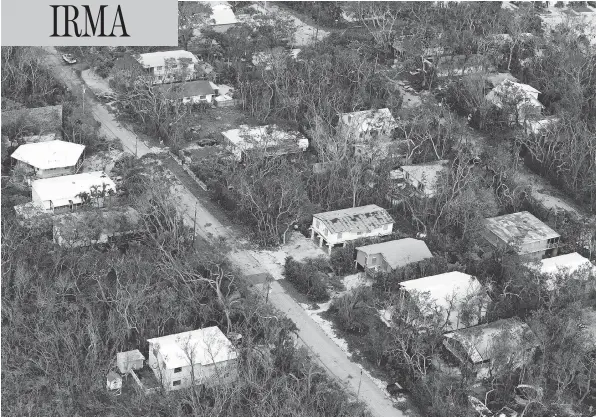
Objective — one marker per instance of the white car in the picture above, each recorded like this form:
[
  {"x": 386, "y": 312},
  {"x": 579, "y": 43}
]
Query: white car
[{"x": 69, "y": 59}]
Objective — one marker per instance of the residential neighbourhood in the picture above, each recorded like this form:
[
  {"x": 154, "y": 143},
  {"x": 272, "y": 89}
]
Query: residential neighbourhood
[{"x": 306, "y": 208}]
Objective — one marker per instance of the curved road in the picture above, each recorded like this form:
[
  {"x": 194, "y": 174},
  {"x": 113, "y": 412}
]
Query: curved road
[{"x": 330, "y": 355}]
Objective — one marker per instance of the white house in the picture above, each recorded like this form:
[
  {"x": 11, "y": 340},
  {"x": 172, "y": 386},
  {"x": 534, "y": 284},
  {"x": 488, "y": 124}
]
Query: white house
[
  {"x": 222, "y": 16},
  {"x": 340, "y": 226},
  {"x": 422, "y": 177},
  {"x": 529, "y": 237},
  {"x": 509, "y": 341},
  {"x": 521, "y": 100},
  {"x": 203, "y": 356},
  {"x": 569, "y": 266},
  {"x": 50, "y": 159},
  {"x": 169, "y": 66},
  {"x": 458, "y": 299},
  {"x": 269, "y": 139},
  {"x": 391, "y": 255},
  {"x": 367, "y": 129},
  {"x": 189, "y": 92},
  {"x": 70, "y": 190},
  {"x": 85, "y": 228}
]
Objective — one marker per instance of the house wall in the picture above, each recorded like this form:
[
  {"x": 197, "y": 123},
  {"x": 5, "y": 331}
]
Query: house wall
[
  {"x": 56, "y": 172},
  {"x": 533, "y": 250},
  {"x": 197, "y": 99},
  {"x": 222, "y": 28},
  {"x": 338, "y": 238},
  {"x": 367, "y": 261},
  {"x": 161, "y": 75}
]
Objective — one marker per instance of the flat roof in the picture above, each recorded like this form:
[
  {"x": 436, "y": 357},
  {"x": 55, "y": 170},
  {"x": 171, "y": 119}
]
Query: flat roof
[
  {"x": 49, "y": 155},
  {"x": 363, "y": 218},
  {"x": 427, "y": 174},
  {"x": 478, "y": 340},
  {"x": 400, "y": 252},
  {"x": 69, "y": 186},
  {"x": 157, "y": 59},
  {"x": 222, "y": 13},
  {"x": 196, "y": 347},
  {"x": 521, "y": 227}
]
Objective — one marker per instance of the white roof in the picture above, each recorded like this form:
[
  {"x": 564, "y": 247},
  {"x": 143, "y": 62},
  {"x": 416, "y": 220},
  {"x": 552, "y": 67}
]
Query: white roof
[
  {"x": 449, "y": 292},
  {"x": 427, "y": 174},
  {"x": 565, "y": 265},
  {"x": 508, "y": 88},
  {"x": 221, "y": 13},
  {"x": 197, "y": 347},
  {"x": 157, "y": 59},
  {"x": 61, "y": 190},
  {"x": 49, "y": 155}
]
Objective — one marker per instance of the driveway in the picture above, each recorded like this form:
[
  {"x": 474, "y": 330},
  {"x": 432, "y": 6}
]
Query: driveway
[{"x": 332, "y": 358}]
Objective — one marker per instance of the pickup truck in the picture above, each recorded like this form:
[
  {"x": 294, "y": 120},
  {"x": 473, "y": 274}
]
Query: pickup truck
[{"x": 69, "y": 59}]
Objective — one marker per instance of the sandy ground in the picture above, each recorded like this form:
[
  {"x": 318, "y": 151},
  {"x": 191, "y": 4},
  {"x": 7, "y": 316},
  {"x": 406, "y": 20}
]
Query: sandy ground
[
  {"x": 102, "y": 161},
  {"x": 305, "y": 34},
  {"x": 95, "y": 82}
]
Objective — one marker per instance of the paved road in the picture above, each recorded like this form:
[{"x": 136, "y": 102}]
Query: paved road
[
  {"x": 310, "y": 334},
  {"x": 110, "y": 127}
]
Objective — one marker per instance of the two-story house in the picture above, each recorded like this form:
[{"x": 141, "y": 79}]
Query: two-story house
[
  {"x": 387, "y": 256},
  {"x": 169, "y": 66},
  {"x": 528, "y": 236},
  {"x": 204, "y": 356},
  {"x": 341, "y": 226}
]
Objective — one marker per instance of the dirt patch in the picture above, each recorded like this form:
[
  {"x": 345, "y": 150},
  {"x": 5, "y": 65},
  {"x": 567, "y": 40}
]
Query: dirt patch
[{"x": 101, "y": 161}]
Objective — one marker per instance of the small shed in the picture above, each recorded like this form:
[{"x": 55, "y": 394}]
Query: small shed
[
  {"x": 129, "y": 360},
  {"x": 114, "y": 382}
]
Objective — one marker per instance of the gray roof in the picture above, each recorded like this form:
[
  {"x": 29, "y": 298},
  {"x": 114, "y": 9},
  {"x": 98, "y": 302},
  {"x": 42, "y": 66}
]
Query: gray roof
[
  {"x": 400, "y": 252},
  {"x": 186, "y": 89},
  {"x": 521, "y": 228},
  {"x": 356, "y": 219}
]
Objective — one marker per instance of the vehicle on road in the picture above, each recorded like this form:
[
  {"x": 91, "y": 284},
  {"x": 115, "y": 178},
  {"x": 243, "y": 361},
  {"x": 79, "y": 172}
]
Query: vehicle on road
[{"x": 69, "y": 58}]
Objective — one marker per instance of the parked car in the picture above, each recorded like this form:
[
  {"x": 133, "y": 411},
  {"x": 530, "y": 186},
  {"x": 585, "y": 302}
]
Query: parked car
[
  {"x": 69, "y": 58},
  {"x": 206, "y": 142}
]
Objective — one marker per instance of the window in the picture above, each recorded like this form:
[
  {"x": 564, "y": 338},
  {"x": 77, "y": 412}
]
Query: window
[
  {"x": 159, "y": 68},
  {"x": 202, "y": 97},
  {"x": 176, "y": 383},
  {"x": 386, "y": 227},
  {"x": 176, "y": 370},
  {"x": 373, "y": 260}
]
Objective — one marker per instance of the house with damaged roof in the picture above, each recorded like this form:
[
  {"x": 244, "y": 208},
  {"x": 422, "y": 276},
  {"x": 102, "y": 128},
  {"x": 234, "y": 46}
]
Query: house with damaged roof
[
  {"x": 528, "y": 236},
  {"x": 341, "y": 226}
]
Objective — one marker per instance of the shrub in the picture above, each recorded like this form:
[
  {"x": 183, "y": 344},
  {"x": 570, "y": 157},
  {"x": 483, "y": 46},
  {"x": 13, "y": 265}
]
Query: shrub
[
  {"x": 353, "y": 311},
  {"x": 307, "y": 279},
  {"x": 342, "y": 259}
]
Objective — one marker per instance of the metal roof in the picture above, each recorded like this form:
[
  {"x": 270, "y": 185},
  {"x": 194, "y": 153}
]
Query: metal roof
[
  {"x": 61, "y": 190},
  {"x": 400, "y": 252},
  {"x": 478, "y": 340},
  {"x": 519, "y": 228},
  {"x": 427, "y": 174},
  {"x": 186, "y": 89},
  {"x": 49, "y": 155},
  {"x": 246, "y": 138},
  {"x": 196, "y": 347},
  {"x": 221, "y": 13},
  {"x": 157, "y": 59},
  {"x": 356, "y": 219},
  {"x": 566, "y": 266}
]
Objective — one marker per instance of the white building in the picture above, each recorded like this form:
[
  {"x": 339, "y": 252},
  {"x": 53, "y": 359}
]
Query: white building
[
  {"x": 393, "y": 254},
  {"x": 447, "y": 296},
  {"x": 340, "y": 226},
  {"x": 169, "y": 66},
  {"x": 189, "y": 92},
  {"x": 509, "y": 341},
  {"x": 569, "y": 266},
  {"x": 269, "y": 140},
  {"x": 204, "y": 356},
  {"x": 527, "y": 235},
  {"x": 50, "y": 159},
  {"x": 70, "y": 190},
  {"x": 521, "y": 100},
  {"x": 222, "y": 16},
  {"x": 422, "y": 177}
]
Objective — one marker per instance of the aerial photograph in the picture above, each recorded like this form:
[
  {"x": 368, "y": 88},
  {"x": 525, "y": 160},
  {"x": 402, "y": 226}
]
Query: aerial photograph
[{"x": 305, "y": 209}]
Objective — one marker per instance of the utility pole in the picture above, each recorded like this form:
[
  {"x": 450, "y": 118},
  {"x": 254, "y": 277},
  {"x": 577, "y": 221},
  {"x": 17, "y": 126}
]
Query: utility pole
[
  {"x": 83, "y": 99},
  {"x": 194, "y": 227},
  {"x": 359, "y": 383}
]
